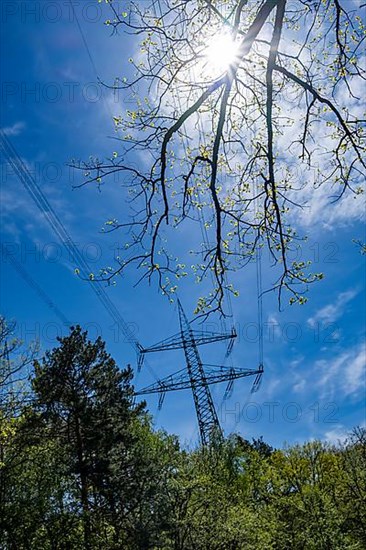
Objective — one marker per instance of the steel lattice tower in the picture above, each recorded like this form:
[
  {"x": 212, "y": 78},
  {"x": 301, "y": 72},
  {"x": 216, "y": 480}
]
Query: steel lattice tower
[
  {"x": 208, "y": 421},
  {"x": 197, "y": 376}
]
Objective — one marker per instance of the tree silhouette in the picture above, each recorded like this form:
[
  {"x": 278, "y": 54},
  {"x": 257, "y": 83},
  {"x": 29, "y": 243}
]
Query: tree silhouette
[
  {"x": 86, "y": 403},
  {"x": 233, "y": 151}
]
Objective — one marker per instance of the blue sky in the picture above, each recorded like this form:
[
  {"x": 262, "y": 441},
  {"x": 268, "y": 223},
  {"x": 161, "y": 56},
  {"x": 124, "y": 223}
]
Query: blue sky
[{"x": 52, "y": 111}]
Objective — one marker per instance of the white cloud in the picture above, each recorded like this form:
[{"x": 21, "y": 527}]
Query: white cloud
[
  {"x": 270, "y": 389},
  {"x": 273, "y": 327},
  {"x": 355, "y": 372},
  {"x": 300, "y": 386},
  {"x": 338, "y": 434},
  {"x": 332, "y": 312},
  {"x": 296, "y": 362},
  {"x": 323, "y": 204},
  {"x": 344, "y": 375},
  {"x": 321, "y": 210},
  {"x": 15, "y": 129}
]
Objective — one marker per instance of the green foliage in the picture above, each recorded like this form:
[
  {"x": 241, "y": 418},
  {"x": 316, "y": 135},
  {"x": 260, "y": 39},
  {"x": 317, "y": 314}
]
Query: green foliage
[
  {"x": 237, "y": 148},
  {"x": 82, "y": 468}
]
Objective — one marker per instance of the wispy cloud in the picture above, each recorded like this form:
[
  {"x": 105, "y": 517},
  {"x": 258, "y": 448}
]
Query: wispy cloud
[
  {"x": 344, "y": 375},
  {"x": 332, "y": 312},
  {"x": 15, "y": 129},
  {"x": 355, "y": 372},
  {"x": 300, "y": 386},
  {"x": 322, "y": 208},
  {"x": 338, "y": 434}
]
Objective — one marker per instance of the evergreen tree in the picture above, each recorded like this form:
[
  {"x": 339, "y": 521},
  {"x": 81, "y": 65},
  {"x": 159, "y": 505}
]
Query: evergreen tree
[
  {"x": 81, "y": 468},
  {"x": 85, "y": 402}
]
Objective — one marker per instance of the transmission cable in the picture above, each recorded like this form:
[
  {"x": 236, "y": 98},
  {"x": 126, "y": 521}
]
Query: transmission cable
[
  {"x": 41, "y": 293},
  {"x": 57, "y": 226}
]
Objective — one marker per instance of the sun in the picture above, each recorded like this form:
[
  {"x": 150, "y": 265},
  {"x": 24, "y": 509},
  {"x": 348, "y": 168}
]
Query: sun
[{"x": 222, "y": 51}]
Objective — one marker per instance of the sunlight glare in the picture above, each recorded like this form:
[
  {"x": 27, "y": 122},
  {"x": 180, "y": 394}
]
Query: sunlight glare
[{"x": 221, "y": 52}]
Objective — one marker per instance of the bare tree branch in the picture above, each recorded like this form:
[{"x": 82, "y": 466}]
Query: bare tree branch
[{"x": 232, "y": 151}]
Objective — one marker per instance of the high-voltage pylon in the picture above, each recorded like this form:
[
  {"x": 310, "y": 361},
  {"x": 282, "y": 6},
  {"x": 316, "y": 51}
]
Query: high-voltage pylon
[{"x": 198, "y": 376}]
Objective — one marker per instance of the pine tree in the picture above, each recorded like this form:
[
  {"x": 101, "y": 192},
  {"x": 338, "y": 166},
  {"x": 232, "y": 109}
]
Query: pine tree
[{"x": 85, "y": 401}]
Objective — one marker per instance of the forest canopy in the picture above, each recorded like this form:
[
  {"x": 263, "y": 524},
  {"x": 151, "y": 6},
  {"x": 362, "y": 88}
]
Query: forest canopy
[{"x": 81, "y": 466}]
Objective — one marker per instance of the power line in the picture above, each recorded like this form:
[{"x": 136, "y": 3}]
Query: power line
[
  {"x": 197, "y": 376},
  {"x": 205, "y": 237},
  {"x": 57, "y": 226},
  {"x": 41, "y": 293},
  {"x": 89, "y": 54},
  {"x": 201, "y": 219},
  {"x": 84, "y": 40}
]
